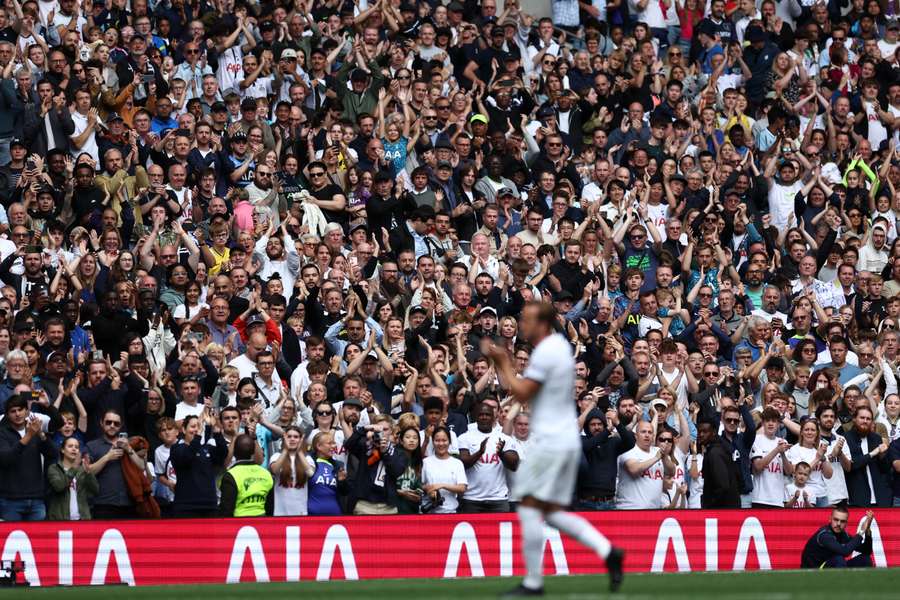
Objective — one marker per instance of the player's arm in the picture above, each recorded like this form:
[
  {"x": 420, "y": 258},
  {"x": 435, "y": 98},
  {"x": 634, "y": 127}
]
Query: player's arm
[{"x": 523, "y": 389}]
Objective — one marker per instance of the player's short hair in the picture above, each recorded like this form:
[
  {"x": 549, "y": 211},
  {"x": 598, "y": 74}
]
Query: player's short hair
[{"x": 546, "y": 312}]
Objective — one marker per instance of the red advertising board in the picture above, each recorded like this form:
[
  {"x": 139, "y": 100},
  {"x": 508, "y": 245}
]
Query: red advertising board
[{"x": 310, "y": 548}]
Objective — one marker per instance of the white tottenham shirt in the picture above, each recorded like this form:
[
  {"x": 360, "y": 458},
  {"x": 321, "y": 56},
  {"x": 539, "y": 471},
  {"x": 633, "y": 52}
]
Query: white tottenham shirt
[
  {"x": 816, "y": 484},
  {"x": 487, "y": 477},
  {"x": 554, "y": 422},
  {"x": 444, "y": 470},
  {"x": 768, "y": 485},
  {"x": 837, "y": 484},
  {"x": 643, "y": 492}
]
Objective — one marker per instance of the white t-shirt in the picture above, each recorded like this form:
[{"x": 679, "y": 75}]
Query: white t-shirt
[
  {"x": 290, "y": 501},
  {"x": 90, "y": 145},
  {"x": 836, "y": 485},
  {"x": 429, "y": 449},
  {"x": 163, "y": 466},
  {"x": 487, "y": 477},
  {"x": 781, "y": 202},
  {"x": 554, "y": 423},
  {"x": 658, "y": 215},
  {"x": 245, "y": 366},
  {"x": 768, "y": 486},
  {"x": 816, "y": 483},
  {"x": 695, "y": 489},
  {"x": 643, "y": 492},
  {"x": 179, "y": 312},
  {"x": 806, "y": 499},
  {"x": 448, "y": 470},
  {"x": 681, "y": 392},
  {"x": 183, "y": 410}
]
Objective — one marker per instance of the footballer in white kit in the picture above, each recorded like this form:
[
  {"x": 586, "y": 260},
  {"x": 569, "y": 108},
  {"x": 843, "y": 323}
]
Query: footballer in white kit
[{"x": 546, "y": 481}]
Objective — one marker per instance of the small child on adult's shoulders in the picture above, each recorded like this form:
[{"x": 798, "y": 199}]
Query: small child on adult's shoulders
[
  {"x": 674, "y": 317},
  {"x": 796, "y": 494}
]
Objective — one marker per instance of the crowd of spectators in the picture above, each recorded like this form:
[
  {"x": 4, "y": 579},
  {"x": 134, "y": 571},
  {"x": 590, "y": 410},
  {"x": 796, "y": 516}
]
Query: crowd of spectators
[{"x": 249, "y": 252}]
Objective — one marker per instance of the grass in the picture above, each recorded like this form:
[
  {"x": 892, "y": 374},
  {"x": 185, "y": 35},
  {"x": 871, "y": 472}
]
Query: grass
[{"x": 772, "y": 585}]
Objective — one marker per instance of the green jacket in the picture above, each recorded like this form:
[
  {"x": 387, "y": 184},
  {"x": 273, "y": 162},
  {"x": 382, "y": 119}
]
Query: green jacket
[
  {"x": 58, "y": 500},
  {"x": 355, "y": 104}
]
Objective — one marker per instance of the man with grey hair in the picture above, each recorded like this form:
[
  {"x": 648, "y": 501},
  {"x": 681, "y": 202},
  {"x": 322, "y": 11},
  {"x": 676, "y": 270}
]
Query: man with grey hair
[
  {"x": 771, "y": 299},
  {"x": 758, "y": 333},
  {"x": 17, "y": 373}
]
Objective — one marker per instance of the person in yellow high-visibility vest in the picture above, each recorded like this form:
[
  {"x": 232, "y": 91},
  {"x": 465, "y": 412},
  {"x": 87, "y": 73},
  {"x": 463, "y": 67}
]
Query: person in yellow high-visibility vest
[{"x": 246, "y": 486}]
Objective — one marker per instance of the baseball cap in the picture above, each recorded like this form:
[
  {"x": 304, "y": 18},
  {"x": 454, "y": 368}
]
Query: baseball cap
[
  {"x": 417, "y": 308},
  {"x": 444, "y": 164},
  {"x": 478, "y": 118},
  {"x": 488, "y": 309},
  {"x": 755, "y": 33},
  {"x": 17, "y": 142},
  {"x": 255, "y": 320},
  {"x": 353, "y": 402},
  {"x": 238, "y": 135},
  {"x": 358, "y": 224},
  {"x": 57, "y": 355},
  {"x": 114, "y": 117},
  {"x": 564, "y": 295},
  {"x": 288, "y": 53},
  {"x": 505, "y": 191},
  {"x": 455, "y": 6}
]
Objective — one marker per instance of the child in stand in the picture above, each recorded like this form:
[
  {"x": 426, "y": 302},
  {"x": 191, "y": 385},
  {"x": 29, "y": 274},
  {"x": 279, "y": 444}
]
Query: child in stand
[
  {"x": 673, "y": 496},
  {"x": 674, "y": 318},
  {"x": 796, "y": 494},
  {"x": 164, "y": 486},
  {"x": 797, "y": 388}
]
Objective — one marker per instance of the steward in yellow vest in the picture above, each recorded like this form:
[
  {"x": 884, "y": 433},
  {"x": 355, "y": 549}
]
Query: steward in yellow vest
[{"x": 246, "y": 487}]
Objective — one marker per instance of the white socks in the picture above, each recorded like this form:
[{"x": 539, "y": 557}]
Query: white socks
[
  {"x": 532, "y": 523},
  {"x": 580, "y": 529}
]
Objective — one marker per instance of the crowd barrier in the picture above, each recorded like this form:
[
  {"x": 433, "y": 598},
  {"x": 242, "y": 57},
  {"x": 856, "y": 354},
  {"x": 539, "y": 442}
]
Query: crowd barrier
[{"x": 321, "y": 548}]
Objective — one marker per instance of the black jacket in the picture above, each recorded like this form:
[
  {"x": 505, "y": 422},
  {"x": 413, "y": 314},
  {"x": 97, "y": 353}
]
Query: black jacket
[
  {"x": 111, "y": 328},
  {"x": 742, "y": 443},
  {"x": 97, "y": 400},
  {"x": 196, "y": 466},
  {"x": 601, "y": 452},
  {"x": 22, "y": 467},
  {"x": 365, "y": 486},
  {"x": 825, "y": 544},
  {"x": 721, "y": 477},
  {"x": 858, "y": 480}
]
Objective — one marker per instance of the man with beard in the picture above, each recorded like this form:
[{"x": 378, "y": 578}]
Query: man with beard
[
  {"x": 390, "y": 288},
  {"x": 830, "y": 545},
  {"x": 868, "y": 481},
  {"x": 32, "y": 259}
]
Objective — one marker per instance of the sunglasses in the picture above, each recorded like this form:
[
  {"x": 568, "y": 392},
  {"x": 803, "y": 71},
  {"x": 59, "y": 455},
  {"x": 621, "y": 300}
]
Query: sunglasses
[
  {"x": 665, "y": 440},
  {"x": 324, "y": 413},
  {"x": 732, "y": 421},
  {"x": 116, "y": 423},
  {"x": 317, "y": 174}
]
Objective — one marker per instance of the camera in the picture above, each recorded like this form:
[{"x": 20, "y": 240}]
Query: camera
[
  {"x": 376, "y": 438},
  {"x": 429, "y": 502}
]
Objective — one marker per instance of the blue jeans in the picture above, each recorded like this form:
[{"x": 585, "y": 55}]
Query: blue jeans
[
  {"x": 22, "y": 510},
  {"x": 592, "y": 505}
]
